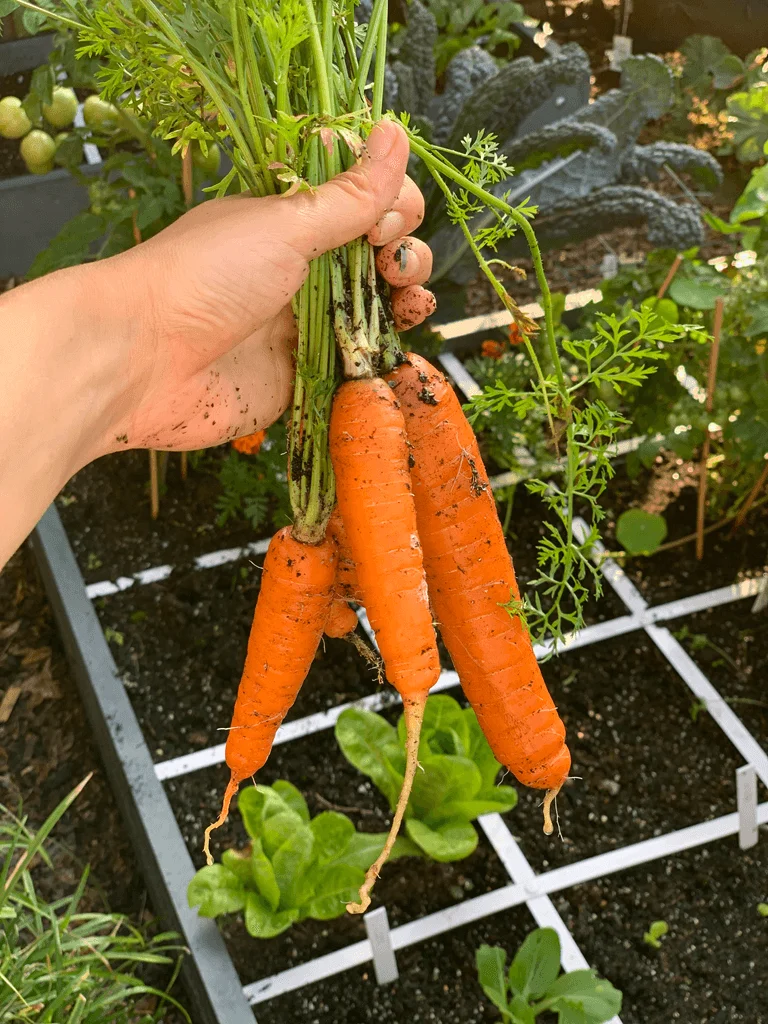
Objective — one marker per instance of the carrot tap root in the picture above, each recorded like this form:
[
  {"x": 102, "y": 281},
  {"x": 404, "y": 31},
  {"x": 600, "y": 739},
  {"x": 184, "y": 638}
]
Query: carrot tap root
[
  {"x": 229, "y": 792},
  {"x": 414, "y": 716},
  {"x": 549, "y": 800}
]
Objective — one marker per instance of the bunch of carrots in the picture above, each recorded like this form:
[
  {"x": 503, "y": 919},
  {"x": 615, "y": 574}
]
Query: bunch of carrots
[{"x": 391, "y": 501}]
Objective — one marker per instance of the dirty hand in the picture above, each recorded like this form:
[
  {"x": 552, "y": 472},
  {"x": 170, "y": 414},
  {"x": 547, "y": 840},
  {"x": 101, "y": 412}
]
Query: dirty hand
[{"x": 214, "y": 359}]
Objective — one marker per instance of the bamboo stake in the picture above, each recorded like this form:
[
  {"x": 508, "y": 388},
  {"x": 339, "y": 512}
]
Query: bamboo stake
[
  {"x": 187, "y": 185},
  {"x": 670, "y": 276},
  {"x": 154, "y": 484},
  {"x": 744, "y": 510},
  {"x": 711, "y": 381}
]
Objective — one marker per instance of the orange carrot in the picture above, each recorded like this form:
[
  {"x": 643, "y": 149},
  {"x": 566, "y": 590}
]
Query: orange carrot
[
  {"x": 250, "y": 444},
  {"x": 370, "y": 453},
  {"x": 347, "y": 585},
  {"x": 471, "y": 579},
  {"x": 341, "y": 619},
  {"x": 291, "y": 611}
]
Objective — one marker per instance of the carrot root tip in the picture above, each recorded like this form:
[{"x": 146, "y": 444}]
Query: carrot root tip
[
  {"x": 549, "y": 800},
  {"x": 414, "y": 716},
  {"x": 232, "y": 787}
]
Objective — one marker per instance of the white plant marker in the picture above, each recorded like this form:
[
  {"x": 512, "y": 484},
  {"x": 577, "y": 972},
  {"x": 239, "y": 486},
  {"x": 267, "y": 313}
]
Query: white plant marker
[
  {"x": 384, "y": 960},
  {"x": 746, "y": 802}
]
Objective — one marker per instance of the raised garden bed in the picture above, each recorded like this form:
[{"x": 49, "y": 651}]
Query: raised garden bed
[
  {"x": 33, "y": 208},
  {"x": 178, "y": 643}
]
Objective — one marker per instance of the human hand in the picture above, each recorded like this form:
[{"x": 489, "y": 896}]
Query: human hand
[{"x": 212, "y": 356}]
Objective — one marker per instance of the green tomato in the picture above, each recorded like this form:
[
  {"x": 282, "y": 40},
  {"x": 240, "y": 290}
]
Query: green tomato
[
  {"x": 37, "y": 151},
  {"x": 100, "y": 114},
  {"x": 664, "y": 308},
  {"x": 210, "y": 163},
  {"x": 61, "y": 137},
  {"x": 14, "y": 122},
  {"x": 61, "y": 111}
]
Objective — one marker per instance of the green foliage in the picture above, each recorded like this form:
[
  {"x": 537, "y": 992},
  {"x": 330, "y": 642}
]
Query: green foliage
[
  {"x": 59, "y": 962},
  {"x": 762, "y": 909},
  {"x": 640, "y": 532},
  {"x": 618, "y": 354},
  {"x": 456, "y": 783},
  {"x": 748, "y": 121},
  {"x": 473, "y": 22},
  {"x": 294, "y": 867},
  {"x": 709, "y": 65},
  {"x": 254, "y": 487},
  {"x": 533, "y": 984},
  {"x": 655, "y": 933}
]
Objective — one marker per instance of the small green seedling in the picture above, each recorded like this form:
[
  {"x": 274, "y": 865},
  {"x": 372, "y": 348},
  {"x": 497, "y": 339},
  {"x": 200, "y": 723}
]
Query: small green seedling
[
  {"x": 762, "y": 909},
  {"x": 534, "y": 984},
  {"x": 655, "y": 934}
]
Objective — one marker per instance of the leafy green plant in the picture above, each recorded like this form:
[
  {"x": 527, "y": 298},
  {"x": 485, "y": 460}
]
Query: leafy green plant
[
  {"x": 619, "y": 356},
  {"x": 59, "y": 962},
  {"x": 534, "y": 985},
  {"x": 656, "y": 932},
  {"x": 457, "y": 780},
  {"x": 255, "y": 487},
  {"x": 762, "y": 909},
  {"x": 294, "y": 867},
  {"x": 640, "y": 532}
]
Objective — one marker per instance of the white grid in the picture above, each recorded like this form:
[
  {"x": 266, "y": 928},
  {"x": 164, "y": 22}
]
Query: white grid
[{"x": 525, "y": 887}]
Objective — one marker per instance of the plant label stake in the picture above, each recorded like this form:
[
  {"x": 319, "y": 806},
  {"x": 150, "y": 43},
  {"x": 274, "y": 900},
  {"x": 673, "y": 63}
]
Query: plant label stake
[
  {"x": 761, "y": 601},
  {"x": 154, "y": 485},
  {"x": 711, "y": 380},
  {"x": 670, "y": 276},
  {"x": 746, "y": 802},
  {"x": 380, "y": 938}
]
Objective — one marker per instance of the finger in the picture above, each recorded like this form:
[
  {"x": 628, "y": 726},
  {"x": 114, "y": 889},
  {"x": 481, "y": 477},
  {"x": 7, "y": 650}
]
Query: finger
[
  {"x": 405, "y": 215},
  {"x": 405, "y": 261},
  {"x": 411, "y": 306},
  {"x": 345, "y": 207}
]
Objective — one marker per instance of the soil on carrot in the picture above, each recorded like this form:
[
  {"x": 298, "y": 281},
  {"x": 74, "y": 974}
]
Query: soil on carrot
[{"x": 11, "y": 163}]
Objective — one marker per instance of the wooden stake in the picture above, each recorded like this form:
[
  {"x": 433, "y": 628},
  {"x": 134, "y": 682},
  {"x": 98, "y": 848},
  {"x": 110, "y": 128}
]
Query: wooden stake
[
  {"x": 154, "y": 484},
  {"x": 136, "y": 229},
  {"x": 670, "y": 276},
  {"x": 751, "y": 498},
  {"x": 187, "y": 183},
  {"x": 711, "y": 381}
]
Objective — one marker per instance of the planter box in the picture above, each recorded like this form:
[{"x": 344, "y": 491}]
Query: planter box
[{"x": 34, "y": 208}]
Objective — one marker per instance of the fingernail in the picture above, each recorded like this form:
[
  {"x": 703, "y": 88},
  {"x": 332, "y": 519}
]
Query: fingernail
[
  {"x": 407, "y": 260},
  {"x": 381, "y": 141},
  {"x": 391, "y": 226}
]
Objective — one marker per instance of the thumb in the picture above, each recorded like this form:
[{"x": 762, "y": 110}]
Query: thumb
[{"x": 350, "y": 204}]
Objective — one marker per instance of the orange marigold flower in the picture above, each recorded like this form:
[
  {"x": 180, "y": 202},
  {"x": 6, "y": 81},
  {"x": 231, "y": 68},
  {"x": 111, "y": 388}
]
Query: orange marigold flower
[
  {"x": 251, "y": 443},
  {"x": 516, "y": 336},
  {"x": 492, "y": 349}
]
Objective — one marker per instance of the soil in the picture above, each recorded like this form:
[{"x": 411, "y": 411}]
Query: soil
[{"x": 11, "y": 163}]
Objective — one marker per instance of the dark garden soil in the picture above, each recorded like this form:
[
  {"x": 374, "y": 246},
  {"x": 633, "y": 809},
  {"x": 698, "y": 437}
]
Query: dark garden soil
[{"x": 11, "y": 163}]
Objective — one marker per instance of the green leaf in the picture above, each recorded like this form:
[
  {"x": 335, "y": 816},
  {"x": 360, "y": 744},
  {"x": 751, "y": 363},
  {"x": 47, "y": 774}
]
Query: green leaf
[
  {"x": 656, "y": 932},
  {"x": 753, "y": 201},
  {"x": 370, "y": 743},
  {"x": 480, "y": 751},
  {"x": 497, "y": 800},
  {"x": 442, "y": 786},
  {"x": 7, "y": 7},
  {"x": 42, "y": 83},
  {"x": 698, "y": 293},
  {"x": 709, "y": 63},
  {"x": 71, "y": 246},
  {"x": 758, "y": 323},
  {"x": 263, "y": 875},
  {"x": 334, "y": 887},
  {"x": 665, "y": 308},
  {"x": 264, "y": 923},
  {"x": 291, "y": 860},
  {"x": 648, "y": 82},
  {"x": 292, "y": 797},
  {"x": 239, "y": 863},
  {"x": 491, "y": 962},
  {"x": 748, "y": 121},
  {"x": 640, "y": 532},
  {"x": 762, "y": 909},
  {"x": 365, "y": 847},
  {"x": 536, "y": 964},
  {"x": 216, "y": 890},
  {"x": 149, "y": 210},
  {"x": 448, "y": 842},
  {"x": 443, "y": 714},
  {"x": 33, "y": 21},
  {"x": 332, "y": 833},
  {"x": 582, "y": 992}
]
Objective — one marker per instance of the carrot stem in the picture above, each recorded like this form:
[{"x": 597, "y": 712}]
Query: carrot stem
[{"x": 414, "y": 716}]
